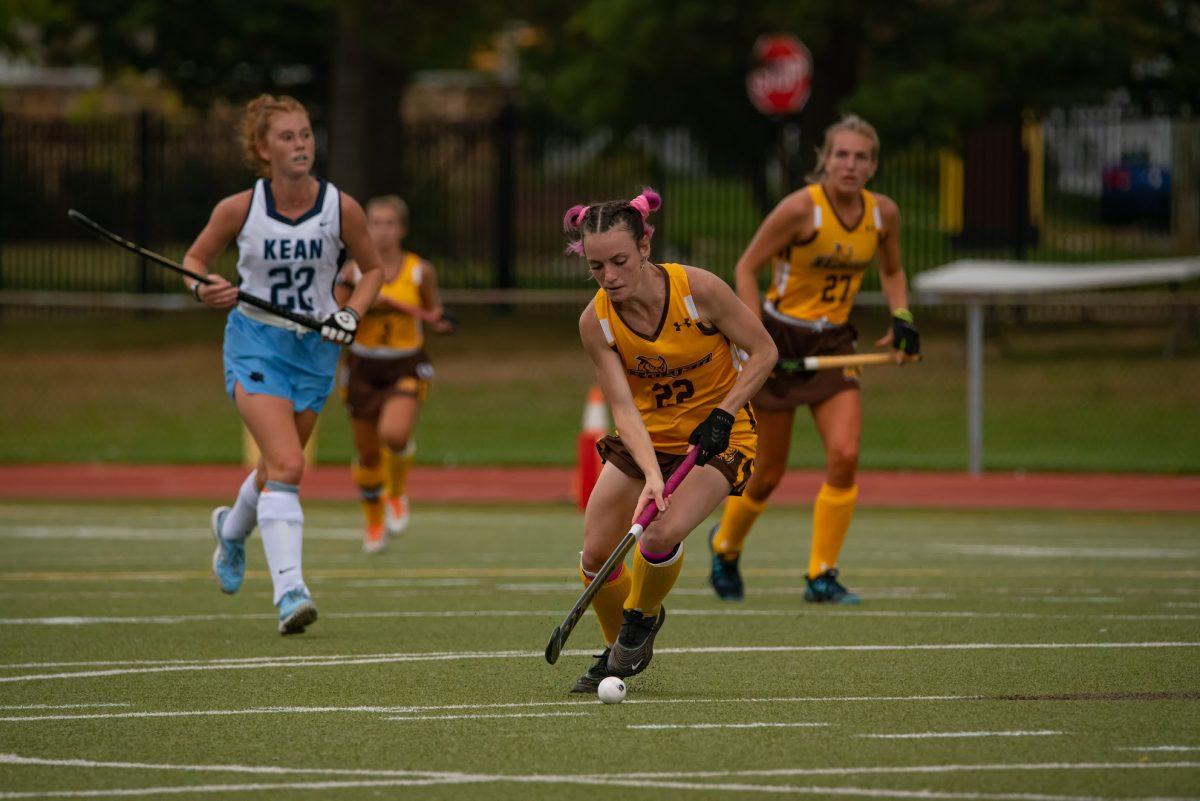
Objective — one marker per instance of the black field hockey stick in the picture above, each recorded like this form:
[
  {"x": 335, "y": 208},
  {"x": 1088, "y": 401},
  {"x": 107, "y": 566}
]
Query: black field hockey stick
[
  {"x": 558, "y": 637},
  {"x": 102, "y": 232}
]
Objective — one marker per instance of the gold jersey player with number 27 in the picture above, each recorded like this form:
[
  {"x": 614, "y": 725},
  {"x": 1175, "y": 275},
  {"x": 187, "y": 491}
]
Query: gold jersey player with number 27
[{"x": 822, "y": 240}]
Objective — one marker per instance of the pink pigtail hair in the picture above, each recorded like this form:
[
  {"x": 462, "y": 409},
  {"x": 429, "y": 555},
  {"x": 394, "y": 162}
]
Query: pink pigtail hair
[
  {"x": 572, "y": 221},
  {"x": 647, "y": 202}
]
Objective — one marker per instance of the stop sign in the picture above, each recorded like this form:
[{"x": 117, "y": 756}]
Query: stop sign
[{"x": 780, "y": 79}]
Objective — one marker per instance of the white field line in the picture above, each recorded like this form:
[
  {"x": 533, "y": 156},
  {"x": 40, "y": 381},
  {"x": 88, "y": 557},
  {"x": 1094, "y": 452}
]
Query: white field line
[
  {"x": 82, "y": 620},
  {"x": 724, "y": 787},
  {"x": 928, "y": 735},
  {"x": 755, "y": 725},
  {"x": 17, "y": 759},
  {"x": 871, "y": 770},
  {"x": 62, "y": 706},
  {"x": 1150, "y": 748},
  {"x": 1044, "y": 552},
  {"x": 654, "y": 781},
  {"x": 493, "y": 716},
  {"x": 452, "y": 656},
  {"x": 397, "y": 710}
]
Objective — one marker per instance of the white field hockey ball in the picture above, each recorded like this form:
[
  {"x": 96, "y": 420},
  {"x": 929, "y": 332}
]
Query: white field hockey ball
[{"x": 611, "y": 690}]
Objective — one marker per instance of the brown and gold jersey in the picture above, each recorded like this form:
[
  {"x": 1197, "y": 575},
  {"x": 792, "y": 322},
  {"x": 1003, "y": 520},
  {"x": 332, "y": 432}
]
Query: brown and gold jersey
[
  {"x": 818, "y": 278},
  {"x": 385, "y": 332},
  {"x": 678, "y": 373}
]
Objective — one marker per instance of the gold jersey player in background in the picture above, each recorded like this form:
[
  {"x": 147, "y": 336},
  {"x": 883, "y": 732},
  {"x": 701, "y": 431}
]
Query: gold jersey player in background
[
  {"x": 659, "y": 337},
  {"x": 822, "y": 239},
  {"x": 386, "y": 375}
]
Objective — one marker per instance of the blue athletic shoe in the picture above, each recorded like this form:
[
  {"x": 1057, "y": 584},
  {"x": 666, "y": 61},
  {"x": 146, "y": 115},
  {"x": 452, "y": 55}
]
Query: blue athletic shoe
[
  {"x": 826, "y": 589},
  {"x": 725, "y": 577},
  {"x": 229, "y": 559},
  {"x": 296, "y": 611}
]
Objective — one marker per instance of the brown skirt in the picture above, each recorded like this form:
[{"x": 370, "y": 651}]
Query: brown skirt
[
  {"x": 368, "y": 383},
  {"x": 788, "y": 387},
  {"x": 734, "y": 465}
]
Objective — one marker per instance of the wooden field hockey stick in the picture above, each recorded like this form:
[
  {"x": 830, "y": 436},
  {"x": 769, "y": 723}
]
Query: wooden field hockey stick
[
  {"x": 558, "y": 637},
  {"x": 849, "y": 360},
  {"x": 95, "y": 227}
]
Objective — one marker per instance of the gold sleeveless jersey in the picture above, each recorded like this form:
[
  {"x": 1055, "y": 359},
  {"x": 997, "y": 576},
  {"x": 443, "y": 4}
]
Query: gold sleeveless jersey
[
  {"x": 819, "y": 278},
  {"x": 679, "y": 373},
  {"x": 385, "y": 332}
]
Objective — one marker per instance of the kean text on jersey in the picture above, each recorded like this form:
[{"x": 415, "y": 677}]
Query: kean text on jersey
[{"x": 291, "y": 249}]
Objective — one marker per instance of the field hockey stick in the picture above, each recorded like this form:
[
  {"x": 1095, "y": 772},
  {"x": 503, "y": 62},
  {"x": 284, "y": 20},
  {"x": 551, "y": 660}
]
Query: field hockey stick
[
  {"x": 558, "y": 637},
  {"x": 163, "y": 261},
  {"x": 833, "y": 362}
]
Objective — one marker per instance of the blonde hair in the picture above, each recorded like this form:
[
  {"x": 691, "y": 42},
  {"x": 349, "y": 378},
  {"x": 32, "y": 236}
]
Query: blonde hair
[
  {"x": 393, "y": 202},
  {"x": 256, "y": 121},
  {"x": 852, "y": 123}
]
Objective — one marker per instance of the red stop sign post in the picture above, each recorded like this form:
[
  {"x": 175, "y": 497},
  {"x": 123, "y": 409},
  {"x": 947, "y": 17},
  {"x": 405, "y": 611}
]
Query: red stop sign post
[{"x": 779, "y": 83}]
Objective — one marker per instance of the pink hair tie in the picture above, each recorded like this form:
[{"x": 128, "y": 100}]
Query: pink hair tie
[
  {"x": 646, "y": 202},
  {"x": 574, "y": 218}
]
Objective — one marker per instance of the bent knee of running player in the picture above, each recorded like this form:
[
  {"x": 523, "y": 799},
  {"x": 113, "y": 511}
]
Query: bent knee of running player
[
  {"x": 699, "y": 494},
  {"x": 606, "y": 519}
]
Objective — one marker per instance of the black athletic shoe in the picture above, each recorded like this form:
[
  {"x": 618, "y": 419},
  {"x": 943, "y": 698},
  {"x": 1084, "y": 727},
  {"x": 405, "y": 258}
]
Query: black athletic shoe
[
  {"x": 591, "y": 678},
  {"x": 725, "y": 577},
  {"x": 634, "y": 648},
  {"x": 826, "y": 589}
]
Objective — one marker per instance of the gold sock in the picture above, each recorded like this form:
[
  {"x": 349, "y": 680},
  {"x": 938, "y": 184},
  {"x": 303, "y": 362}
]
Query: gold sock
[
  {"x": 370, "y": 485},
  {"x": 831, "y": 518},
  {"x": 396, "y": 466},
  {"x": 740, "y": 513},
  {"x": 610, "y": 601},
  {"x": 652, "y": 581}
]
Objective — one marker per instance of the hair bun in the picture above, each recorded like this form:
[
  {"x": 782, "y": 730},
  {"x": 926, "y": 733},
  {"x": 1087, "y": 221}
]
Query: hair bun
[{"x": 647, "y": 202}]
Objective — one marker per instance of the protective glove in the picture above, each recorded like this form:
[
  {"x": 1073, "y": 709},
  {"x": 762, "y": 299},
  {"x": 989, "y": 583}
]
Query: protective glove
[
  {"x": 341, "y": 326},
  {"x": 904, "y": 333},
  {"x": 711, "y": 437}
]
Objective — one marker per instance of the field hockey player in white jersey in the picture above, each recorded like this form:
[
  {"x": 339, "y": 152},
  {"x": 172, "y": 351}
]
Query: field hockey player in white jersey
[{"x": 291, "y": 231}]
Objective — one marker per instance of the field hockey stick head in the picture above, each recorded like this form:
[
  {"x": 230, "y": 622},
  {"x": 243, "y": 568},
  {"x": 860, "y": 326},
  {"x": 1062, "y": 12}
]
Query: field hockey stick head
[{"x": 554, "y": 646}]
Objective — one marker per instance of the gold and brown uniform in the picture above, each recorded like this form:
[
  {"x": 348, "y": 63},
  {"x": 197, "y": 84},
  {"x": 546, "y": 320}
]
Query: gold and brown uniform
[
  {"x": 388, "y": 355},
  {"x": 678, "y": 374},
  {"x": 807, "y": 307}
]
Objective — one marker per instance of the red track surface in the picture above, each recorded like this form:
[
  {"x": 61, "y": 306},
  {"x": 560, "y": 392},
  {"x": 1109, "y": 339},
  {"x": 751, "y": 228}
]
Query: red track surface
[{"x": 1096, "y": 492}]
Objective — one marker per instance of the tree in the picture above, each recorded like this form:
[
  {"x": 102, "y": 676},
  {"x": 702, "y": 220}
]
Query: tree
[{"x": 920, "y": 69}]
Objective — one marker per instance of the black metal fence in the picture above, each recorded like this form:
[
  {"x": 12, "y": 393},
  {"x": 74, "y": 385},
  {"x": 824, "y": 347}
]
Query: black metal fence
[{"x": 486, "y": 199}]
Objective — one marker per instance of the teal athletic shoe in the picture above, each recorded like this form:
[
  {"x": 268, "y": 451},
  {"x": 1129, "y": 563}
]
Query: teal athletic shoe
[
  {"x": 826, "y": 589},
  {"x": 229, "y": 559},
  {"x": 725, "y": 578},
  {"x": 296, "y": 612}
]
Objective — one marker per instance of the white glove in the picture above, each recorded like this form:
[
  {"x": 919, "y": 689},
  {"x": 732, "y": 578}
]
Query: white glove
[{"x": 341, "y": 326}]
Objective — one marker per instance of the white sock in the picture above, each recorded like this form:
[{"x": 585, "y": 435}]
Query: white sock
[
  {"x": 281, "y": 522},
  {"x": 241, "y": 519}
]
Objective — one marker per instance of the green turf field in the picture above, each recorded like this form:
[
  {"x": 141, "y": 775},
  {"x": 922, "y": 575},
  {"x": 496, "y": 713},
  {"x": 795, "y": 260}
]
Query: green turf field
[
  {"x": 996, "y": 656},
  {"x": 510, "y": 388}
]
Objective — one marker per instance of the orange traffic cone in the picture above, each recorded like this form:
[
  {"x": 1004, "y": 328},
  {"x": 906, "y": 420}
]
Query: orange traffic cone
[{"x": 588, "y": 464}]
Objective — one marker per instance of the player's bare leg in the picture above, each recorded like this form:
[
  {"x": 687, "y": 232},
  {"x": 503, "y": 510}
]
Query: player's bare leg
[
  {"x": 657, "y": 561},
  {"x": 609, "y": 510},
  {"x": 281, "y": 435}
]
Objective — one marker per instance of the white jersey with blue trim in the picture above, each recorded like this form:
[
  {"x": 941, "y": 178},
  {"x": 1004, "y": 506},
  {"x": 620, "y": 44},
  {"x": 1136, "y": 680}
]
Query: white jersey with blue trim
[{"x": 291, "y": 263}]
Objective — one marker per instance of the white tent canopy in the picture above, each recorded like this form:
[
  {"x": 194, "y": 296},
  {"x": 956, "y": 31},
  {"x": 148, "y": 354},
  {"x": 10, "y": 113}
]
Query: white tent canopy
[
  {"x": 975, "y": 283},
  {"x": 975, "y": 277}
]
